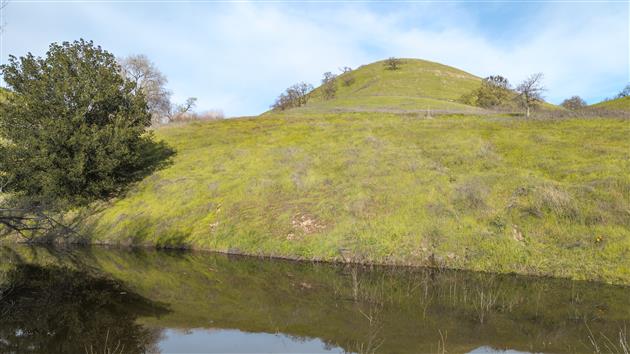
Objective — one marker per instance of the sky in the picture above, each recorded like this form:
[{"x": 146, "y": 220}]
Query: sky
[{"x": 238, "y": 56}]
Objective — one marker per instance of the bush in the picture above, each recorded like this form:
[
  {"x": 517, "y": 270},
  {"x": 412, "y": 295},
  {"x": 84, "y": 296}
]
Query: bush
[{"x": 472, "y": 194}]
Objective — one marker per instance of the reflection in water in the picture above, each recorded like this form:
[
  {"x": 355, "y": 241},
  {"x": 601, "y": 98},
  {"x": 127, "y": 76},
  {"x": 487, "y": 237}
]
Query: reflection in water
[
  {"x": 178, "y": 301},
  {"x": 59, "y": 310}
]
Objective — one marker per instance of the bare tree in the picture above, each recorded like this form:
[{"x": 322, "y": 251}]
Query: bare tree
[
  {"x": 329, "y": 85},
  {"x": 294, "y": 96},
  {"x": 530, "y": 92},
  {"x": 393, "y": 63},
  {"x": 151, "y": 82},
  {"x": 574, "y": 103}
]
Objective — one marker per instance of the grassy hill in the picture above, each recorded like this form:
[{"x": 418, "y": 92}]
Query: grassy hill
[
  {"x": 618, "y": 104},
  {"x": 482, "y": 193},
  {"x": 417, "y": 85}
]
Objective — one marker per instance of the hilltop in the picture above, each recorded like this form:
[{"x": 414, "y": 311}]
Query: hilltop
[{"x": 418, "y": 85}]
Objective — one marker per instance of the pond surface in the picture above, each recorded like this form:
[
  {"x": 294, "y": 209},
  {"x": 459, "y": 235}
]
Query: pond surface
[{"x": 98, "y": 300}]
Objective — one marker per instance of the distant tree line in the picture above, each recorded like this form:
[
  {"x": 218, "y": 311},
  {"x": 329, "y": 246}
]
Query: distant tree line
[{"x": 299, "y": 94}]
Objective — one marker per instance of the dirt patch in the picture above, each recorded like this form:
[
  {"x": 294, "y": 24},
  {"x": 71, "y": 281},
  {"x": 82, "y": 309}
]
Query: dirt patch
[{"x": 305, "y": 224}]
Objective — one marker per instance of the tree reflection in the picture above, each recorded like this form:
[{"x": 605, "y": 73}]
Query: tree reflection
[{"x": 60, "y": 310}]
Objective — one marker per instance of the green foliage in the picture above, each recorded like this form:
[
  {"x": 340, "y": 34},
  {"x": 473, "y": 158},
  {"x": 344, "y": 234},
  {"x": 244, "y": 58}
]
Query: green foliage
[
  {"x": 494, "y": 92},
  {"x": 74, "y": 131},
  {"x": 487, "y": 193}
]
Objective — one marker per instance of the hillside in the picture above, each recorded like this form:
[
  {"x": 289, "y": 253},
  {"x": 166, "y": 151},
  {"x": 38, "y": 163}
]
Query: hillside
[
  {"x": 418, "y": 85},
  {"x": 618, "y": 104},
  {"x": 480, "y": 193}
]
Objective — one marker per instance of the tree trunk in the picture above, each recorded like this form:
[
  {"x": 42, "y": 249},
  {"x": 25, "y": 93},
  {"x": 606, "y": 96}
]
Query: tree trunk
[{"x": 527, "y": 112}]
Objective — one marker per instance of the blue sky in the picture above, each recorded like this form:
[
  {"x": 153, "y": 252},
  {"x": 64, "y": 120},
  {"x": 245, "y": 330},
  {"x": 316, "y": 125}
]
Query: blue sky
[{"x": 239, "y": 56}]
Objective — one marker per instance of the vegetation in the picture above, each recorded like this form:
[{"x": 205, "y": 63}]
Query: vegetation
[
  {"x": 490, "y": 193},
  {"x": 498, "y": 194},
  {"x": 494, "y": 93},
  {"x": 393, "y": 63},
  {"x": 152, "y": 84},
  {"x": 73, "y": 131},
  {"x": 293, "y": 97},
  {"x": 530, "y": 92},
  {"x": 329, "y": 86},
  {"x": 574, "y": 103}
]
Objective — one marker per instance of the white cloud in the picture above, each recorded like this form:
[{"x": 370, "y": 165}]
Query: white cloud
[{"x": 238, "y": 57}]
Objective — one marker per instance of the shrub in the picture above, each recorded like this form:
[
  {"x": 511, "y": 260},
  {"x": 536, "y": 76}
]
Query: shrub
[
  {"x": 393, "y": 63},
  {"x": 574, "y": 103},
  {"x": 554, "y": 199},
  {"x": 472, "y": 194}
]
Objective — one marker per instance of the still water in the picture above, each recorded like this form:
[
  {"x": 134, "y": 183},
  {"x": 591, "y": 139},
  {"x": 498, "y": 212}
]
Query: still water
[{"x": 99, "y": 300}]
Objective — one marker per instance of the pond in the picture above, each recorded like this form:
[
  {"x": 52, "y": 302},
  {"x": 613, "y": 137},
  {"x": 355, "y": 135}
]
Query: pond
[{"x": 103, "y": 300}]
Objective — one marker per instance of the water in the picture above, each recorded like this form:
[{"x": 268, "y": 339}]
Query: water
[{"x": 97, "y": 300}]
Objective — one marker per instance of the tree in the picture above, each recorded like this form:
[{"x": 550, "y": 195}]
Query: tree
[
  {"x": 574, "y": 103},
  {"x": 151, "y": 82},
  {"x": 494, "y": 91},
  {"x": 72, "y": 131},
  {"x": 530, "y": 92},
  {"x": 294, "y": 96},
  {"x": 329, "y": 85},
  {"x": 625, "y": 92},
  {"x": 393, "y": 63}
]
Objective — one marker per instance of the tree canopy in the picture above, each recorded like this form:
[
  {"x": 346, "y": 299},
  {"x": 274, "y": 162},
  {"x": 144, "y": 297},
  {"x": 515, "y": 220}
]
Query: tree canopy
[{"x": 72, "y": 129}]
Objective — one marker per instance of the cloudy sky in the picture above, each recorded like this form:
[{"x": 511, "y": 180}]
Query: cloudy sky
[{"x": 237, "y": 56}]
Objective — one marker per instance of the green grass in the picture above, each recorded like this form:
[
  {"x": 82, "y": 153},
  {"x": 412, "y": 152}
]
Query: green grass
[
  {"x": 485, "y": 193},
  {"x": 417, "y": 85},
  {"x": 619, "y": 104}
]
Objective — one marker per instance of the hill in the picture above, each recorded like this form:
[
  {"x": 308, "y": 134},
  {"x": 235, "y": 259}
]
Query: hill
[
  {"x": 418, "y": 85},
  {"x": 618, "y": 104},
  {"x": 498, "y": 194}
]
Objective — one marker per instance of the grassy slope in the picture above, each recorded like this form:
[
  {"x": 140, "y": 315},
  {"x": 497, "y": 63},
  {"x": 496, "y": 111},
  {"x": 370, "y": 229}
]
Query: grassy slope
[
  {"x": 619, "y": 104},
  {"x": 417, "y": 85},
  {"x": 480, "y": 193}
]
